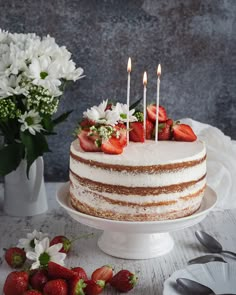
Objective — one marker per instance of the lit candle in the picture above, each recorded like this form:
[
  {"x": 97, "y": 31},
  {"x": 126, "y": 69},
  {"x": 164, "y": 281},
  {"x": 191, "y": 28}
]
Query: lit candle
[
  {"x": 128, "y": 96},
  {"x": 144, "y": 102},
  {"x": 157, "y": 101}
]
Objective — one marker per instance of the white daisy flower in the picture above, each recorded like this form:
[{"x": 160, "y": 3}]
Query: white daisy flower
[
  {"x": 44, "y": 253},
  {"x": 97, "y": 113},
  {"x": 122, "y": 109},
  {"x": 30, "y": 121},
  {"x": 28, "y": 243}
]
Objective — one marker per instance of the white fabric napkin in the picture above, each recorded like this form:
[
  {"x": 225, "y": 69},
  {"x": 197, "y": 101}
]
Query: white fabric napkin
[{"x": 221, "y": 162}]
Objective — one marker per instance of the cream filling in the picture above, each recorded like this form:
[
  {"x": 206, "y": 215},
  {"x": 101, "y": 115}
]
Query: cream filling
[
  {"x": 78, "y": 190},
  {"x": 124, "y": 178},
  {"x": 100, "y": 204}
]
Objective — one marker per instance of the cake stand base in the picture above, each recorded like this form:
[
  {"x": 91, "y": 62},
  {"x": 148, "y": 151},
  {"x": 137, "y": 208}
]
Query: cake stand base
[{"x": 135, "y": 246}]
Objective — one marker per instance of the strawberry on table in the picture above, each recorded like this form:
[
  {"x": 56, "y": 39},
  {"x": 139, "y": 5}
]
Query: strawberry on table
[
  {"x": 94, "y": 287},
  {"x": 112, "y": 146},
  {"x": 80, "y": 273},
  {"x": 16, "y": 283},
  {"x": 32, "y": 292},
  {"x": 66, "y": 243},
  {"x": 124, "y": 281},
  {"x": 15, "y": 257},
  {"x": 56, "y": 287},
  {"x": 57, "y": 271},
  {"x": 104, "y": 273},
  {"x": 38, "y": 279},
  {"x": 76, "y": 286},
  {"x": 151, "y": 113},
  {"x": 137, "y": 132},
  {"x": 183, "y": 132},
  {"x": 86, "y": 143}
]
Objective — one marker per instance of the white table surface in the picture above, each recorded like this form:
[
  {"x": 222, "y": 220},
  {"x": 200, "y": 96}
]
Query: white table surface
[{"x": 85, "y": 253}]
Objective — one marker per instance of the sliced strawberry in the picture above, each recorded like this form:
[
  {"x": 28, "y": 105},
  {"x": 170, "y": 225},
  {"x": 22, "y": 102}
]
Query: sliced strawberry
[
  {"x": 86, "y": 143},
  {"x": 164, "y": 131},
  {"x": 183, "y": 132},
  {"x": 149, "y": 129},
  {"x": 104, "y": 273},
  {"x": 121, "y": 128},
  {"x": 112, "y": 146},
  {"x": 151, "y": 113},
  {"x": 57, "y": 271},
  {"x": 137, "y": 132}
]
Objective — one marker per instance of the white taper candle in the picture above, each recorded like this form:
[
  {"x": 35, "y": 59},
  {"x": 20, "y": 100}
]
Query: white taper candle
[
  {"x": 157, "y": 101},
  {"x": 128, "y": 97},
  {"x": 144, "y": 102}
]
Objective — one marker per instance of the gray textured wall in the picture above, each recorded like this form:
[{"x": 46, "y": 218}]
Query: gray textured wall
[{"x": 195, "y": 41}]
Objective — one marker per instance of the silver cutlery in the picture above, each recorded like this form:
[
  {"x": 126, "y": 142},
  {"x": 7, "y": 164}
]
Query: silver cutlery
[
  {"x": 206, "y": 259},
  {"x": 211, "y": 243},
  {"x": 195, "y": 288}
]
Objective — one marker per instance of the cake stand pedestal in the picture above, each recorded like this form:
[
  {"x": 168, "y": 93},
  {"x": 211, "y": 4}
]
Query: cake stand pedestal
[{"x": 137, "y": 239}]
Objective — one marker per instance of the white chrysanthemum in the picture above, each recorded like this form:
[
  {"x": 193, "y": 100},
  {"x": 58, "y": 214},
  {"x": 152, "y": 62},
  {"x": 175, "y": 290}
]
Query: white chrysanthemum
[
  {"x": 28, "y": 243},
  {"x": 10, "y": 86},
  {"x": 122, "y": 110},
  {"x": 45, "y": 73},
  {"x": 44, "y": 253},
  {"x": 97, "y": 113},
  {"x": 30, "y": 121}
]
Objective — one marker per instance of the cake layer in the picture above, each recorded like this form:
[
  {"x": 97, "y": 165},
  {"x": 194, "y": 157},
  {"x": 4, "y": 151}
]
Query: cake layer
[{"x": 143, "y": 183}]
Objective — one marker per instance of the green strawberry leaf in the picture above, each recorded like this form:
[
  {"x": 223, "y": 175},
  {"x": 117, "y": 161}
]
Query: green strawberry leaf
[
  {"x": 61, "y": 118},
  {"x": 10, "y": 157}
]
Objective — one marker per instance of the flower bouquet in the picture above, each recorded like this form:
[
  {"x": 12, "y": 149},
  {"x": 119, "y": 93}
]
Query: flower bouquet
[{"x": 33, "y": 74}]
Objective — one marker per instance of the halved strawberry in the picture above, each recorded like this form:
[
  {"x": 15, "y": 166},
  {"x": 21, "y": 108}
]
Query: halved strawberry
[
  {"x": 121, "y": 128},
  {"x": 112, "y": 146},
  {"x": 151, "y": 113},
  {"x": 149, "y": 129},
  {"x": 86, "y": 143},
  {"x": 137, "y": 132},
  {"x": 183, "y": 132},
  {"x": 164, "y": 131},
  {"x": 57, "y": 271}
]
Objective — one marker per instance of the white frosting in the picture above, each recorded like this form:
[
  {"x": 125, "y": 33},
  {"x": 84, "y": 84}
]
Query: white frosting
[{"x": 148, "y": 153}]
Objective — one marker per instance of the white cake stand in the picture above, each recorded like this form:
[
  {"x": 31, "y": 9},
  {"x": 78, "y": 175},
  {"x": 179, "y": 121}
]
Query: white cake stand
[{"x": 137, "y": 239}]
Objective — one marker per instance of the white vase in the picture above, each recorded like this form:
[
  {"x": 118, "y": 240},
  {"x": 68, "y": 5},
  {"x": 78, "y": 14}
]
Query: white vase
[{"x": 25, "y": 196}]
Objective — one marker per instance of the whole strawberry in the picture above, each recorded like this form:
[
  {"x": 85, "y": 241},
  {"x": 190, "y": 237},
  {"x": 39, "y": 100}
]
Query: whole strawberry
[
  {"x": 32, "y": 292},
  {"x": 56, "y": 287},
  {"x": 66, "y": 242},
  {"x": 104, "y": 273},
  {"x": 76, "y": 286},
  {"x": 16, "y": 283},
  {"x": 80, "y": 273},
  {"x": 124, "y": 281},
  {"x": 94, "y": 287},
  {"x": 38, "y": 279},
  {"x": 57, "y": 271},
  {"x": 15, "y": 257}
]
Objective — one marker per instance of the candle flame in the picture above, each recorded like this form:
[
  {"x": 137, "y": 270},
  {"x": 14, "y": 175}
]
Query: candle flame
[
  {"x": 145, "y": 78},
  {"x": 129, "y": 65},
  {"x": 159, "y": 70}
]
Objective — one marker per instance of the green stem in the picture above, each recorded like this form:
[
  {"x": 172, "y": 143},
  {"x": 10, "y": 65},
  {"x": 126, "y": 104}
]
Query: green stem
[{"x": 82, "y": 236}]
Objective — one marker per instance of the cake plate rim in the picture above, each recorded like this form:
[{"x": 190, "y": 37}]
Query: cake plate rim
[
  {"x": 136, "y": 239},
  {"x": 208, "y": 203}
]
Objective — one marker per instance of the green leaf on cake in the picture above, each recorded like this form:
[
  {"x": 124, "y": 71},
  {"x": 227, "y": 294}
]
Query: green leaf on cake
[
  {"x": 136, "y": 103},
  {"x": 10, "y": 157},
  {"x": 35, "y": 146}
]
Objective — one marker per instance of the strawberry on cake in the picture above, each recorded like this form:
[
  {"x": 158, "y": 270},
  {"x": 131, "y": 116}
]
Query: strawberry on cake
[{"x": 139, "y": 181}]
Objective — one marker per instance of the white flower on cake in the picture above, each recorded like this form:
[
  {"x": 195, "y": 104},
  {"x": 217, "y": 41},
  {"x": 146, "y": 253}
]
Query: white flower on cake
[
  {"x": 44, "y": 253},
  {"x": 118, "y": 113},
  {"x": 122, "y": 110},
  {"x": 30, "y": 121},
  {"x": 28, "y": 243}
]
